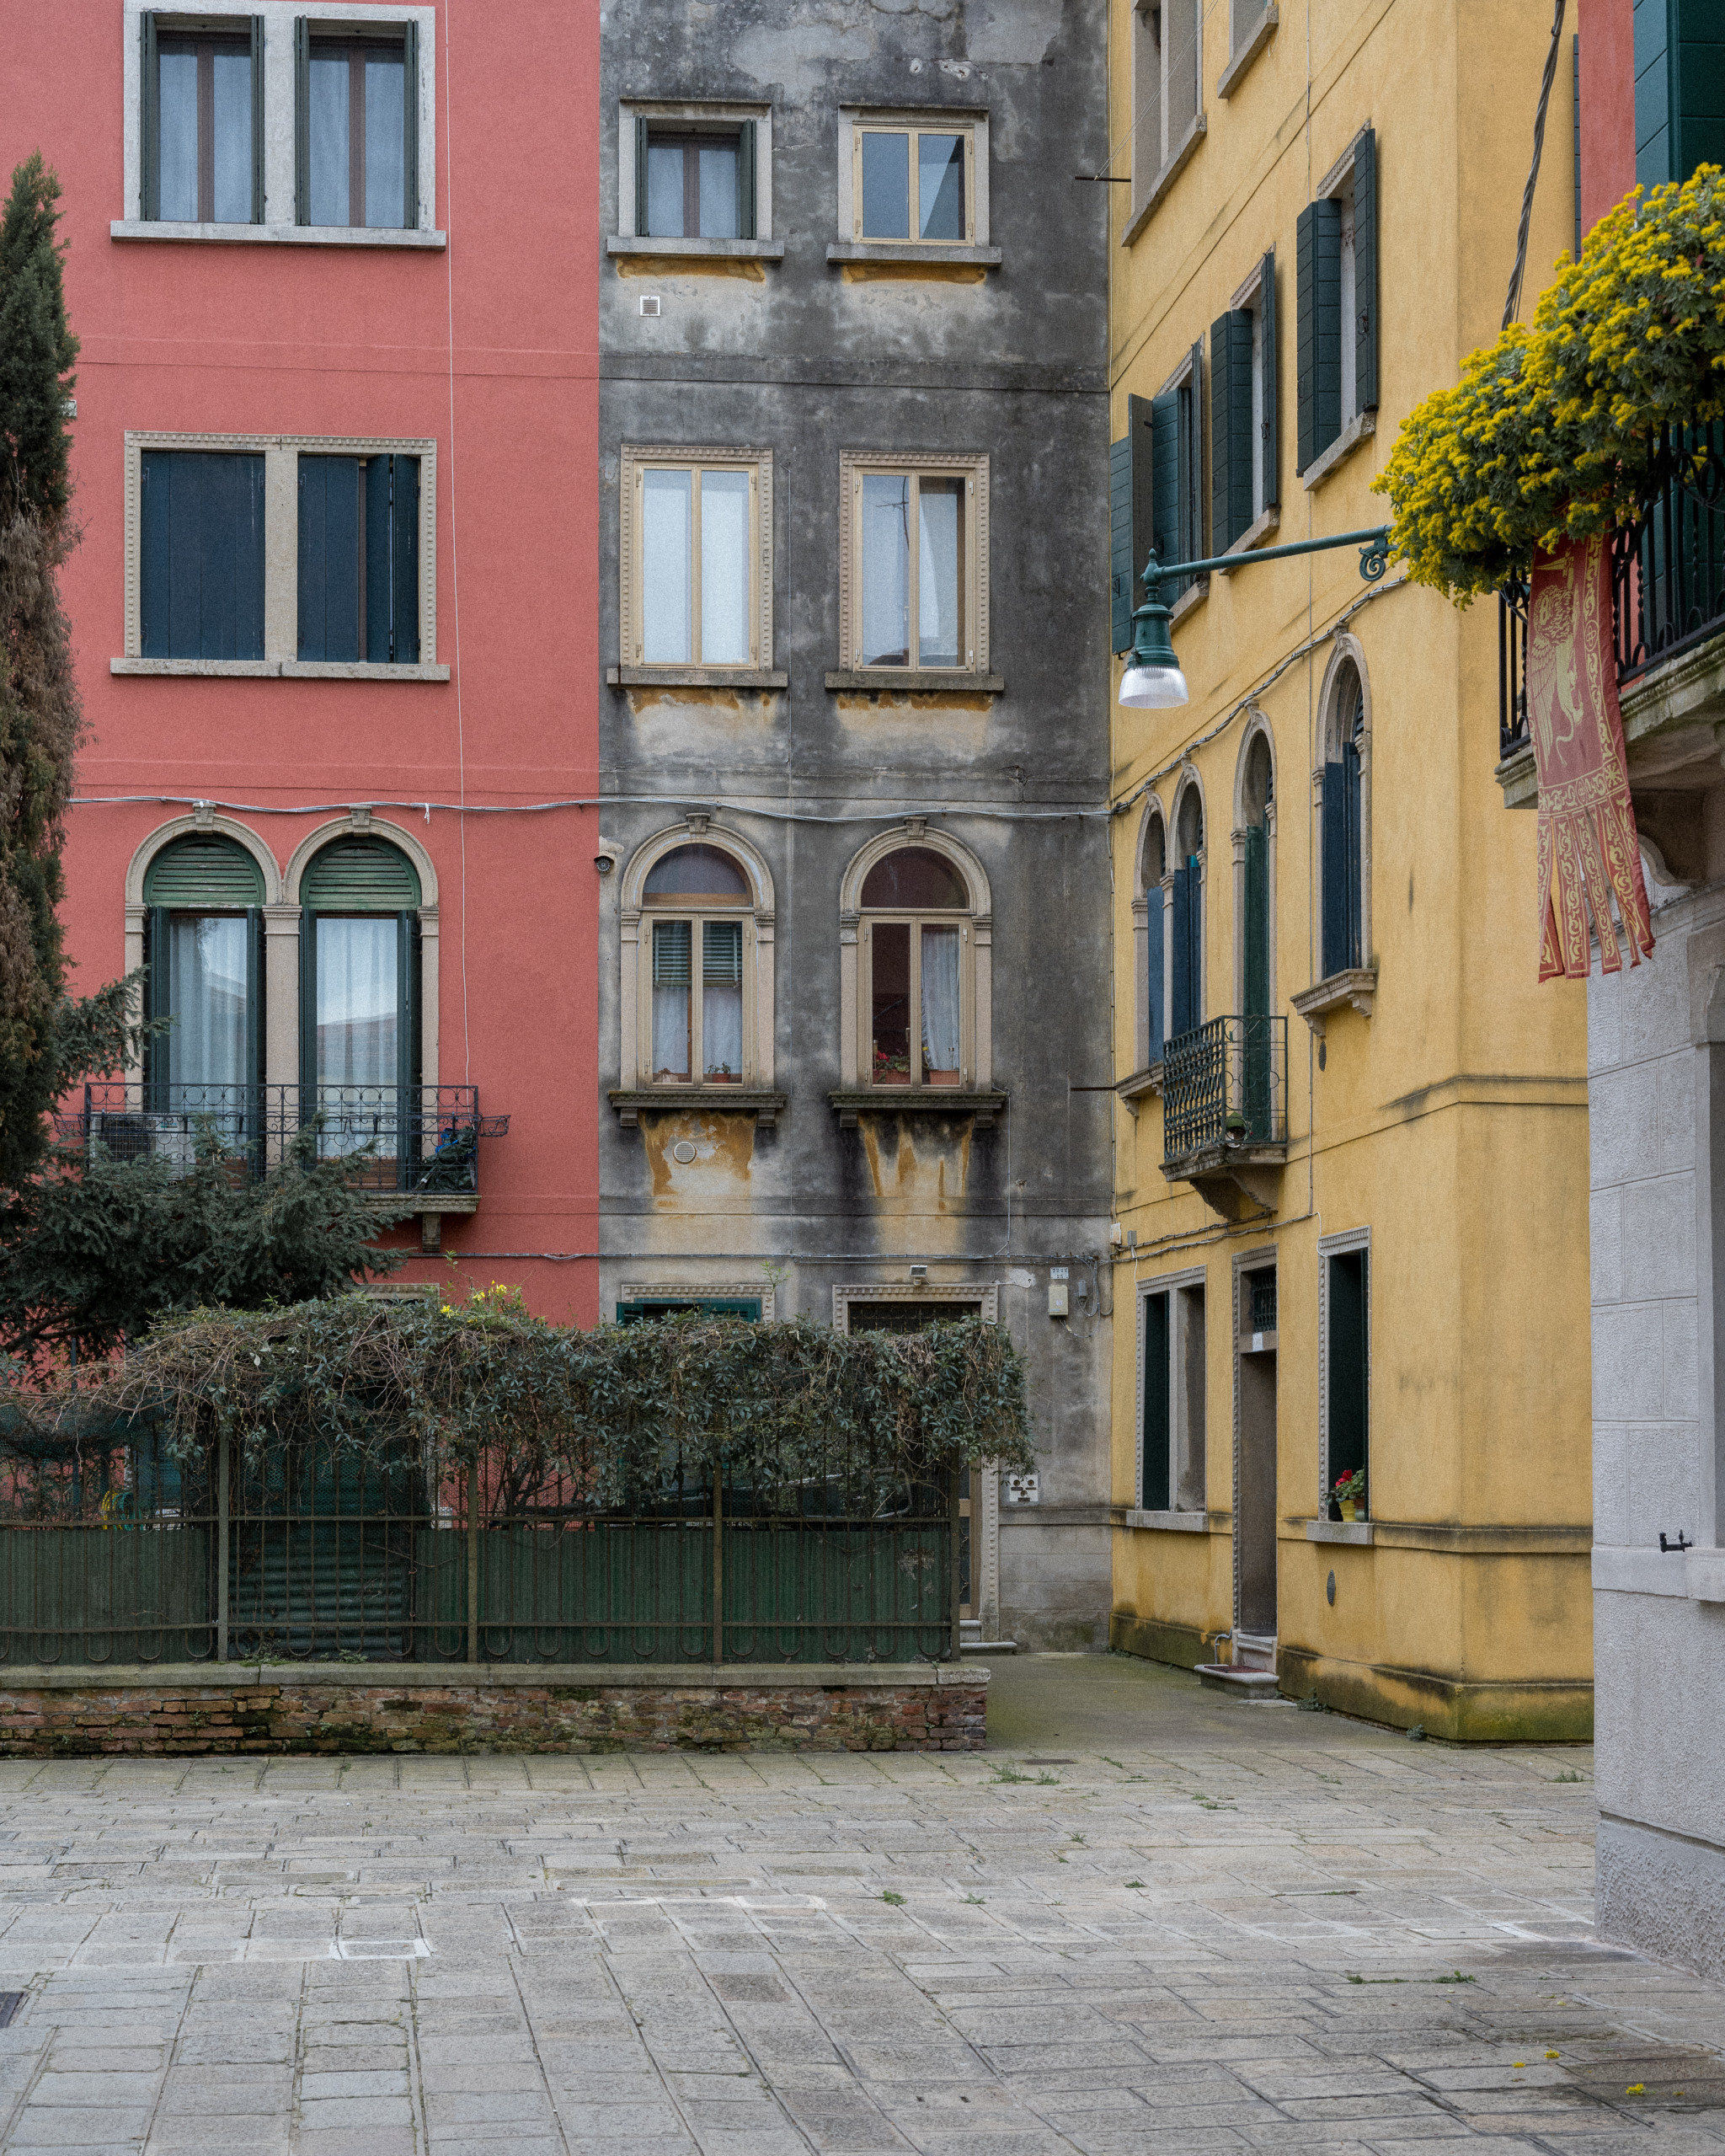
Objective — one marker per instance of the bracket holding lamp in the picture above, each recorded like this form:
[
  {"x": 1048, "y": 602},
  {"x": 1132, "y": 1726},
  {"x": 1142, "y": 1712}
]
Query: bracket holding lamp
[{"x": 1153, "y": 681}]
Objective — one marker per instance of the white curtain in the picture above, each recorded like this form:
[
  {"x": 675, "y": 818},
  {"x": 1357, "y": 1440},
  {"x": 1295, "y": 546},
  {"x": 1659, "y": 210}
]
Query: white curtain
[
  {"x": 359, "y": 1004},
  {"x": 940, "y": 1002},
  {"x": 671, "y": 999},
  {"x": 206, "y": 1049},
  {"x": 724, "y": 569},
  {"x": 939, "y": 589},
  {"x": 664, "y": 568},
  {"x": 886, "y": 580},
  {"x": 329, "y": 124},
  {"x": 722, "y": 1000},
  {"x": 386, "y": 147}
]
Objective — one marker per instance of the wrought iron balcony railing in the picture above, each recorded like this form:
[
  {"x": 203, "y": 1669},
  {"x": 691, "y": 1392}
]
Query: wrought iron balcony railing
[
  {"x": 423, "y": 1141},
  {"x": 1225, "y": 1084},
  {"x": 1668, "y": 575}
]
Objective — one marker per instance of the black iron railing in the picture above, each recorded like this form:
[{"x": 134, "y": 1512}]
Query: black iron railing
[
  {"x": 1512, "y": 668},
  {"x": 417, "y": 1139},
  {"x": 1226, "y": 1084}
]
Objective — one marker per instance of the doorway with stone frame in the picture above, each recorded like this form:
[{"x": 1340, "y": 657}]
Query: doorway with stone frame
[{"x": 1255, "y": 1507}]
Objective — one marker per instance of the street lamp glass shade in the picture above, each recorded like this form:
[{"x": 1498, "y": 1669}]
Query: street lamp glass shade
[{"x": 1153, "y": 689}]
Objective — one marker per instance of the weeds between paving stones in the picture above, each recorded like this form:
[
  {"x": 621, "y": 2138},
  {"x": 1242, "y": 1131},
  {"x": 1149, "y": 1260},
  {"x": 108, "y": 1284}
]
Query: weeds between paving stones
[{"x": 897, "y": 1901}]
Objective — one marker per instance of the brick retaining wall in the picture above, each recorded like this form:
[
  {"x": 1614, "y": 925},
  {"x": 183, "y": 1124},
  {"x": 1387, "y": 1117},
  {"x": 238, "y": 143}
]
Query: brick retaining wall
[{"x": 47, "y": 1714}]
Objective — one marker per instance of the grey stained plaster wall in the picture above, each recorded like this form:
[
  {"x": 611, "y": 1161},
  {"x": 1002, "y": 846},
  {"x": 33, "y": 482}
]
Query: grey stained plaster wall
[
  {"x": 1656, "y": 1112},
  {"x": 789, "y": 355}
]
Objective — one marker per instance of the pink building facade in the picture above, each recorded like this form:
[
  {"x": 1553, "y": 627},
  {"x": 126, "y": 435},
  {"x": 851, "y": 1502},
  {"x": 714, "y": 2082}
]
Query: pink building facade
[{"x": 334, "y": 607}]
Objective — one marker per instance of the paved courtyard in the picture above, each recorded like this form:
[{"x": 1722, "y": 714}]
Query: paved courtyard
[{"x": 1146, "y": 1920}]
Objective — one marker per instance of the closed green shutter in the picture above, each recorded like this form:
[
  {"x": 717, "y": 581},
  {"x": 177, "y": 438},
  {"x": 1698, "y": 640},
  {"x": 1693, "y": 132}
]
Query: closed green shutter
[
  {"x": 392, "y": 560},
  {"x": 159, "y": 1005},
  {"x": 257, "y": 30},
  {"x": 256, "y": 978},
  {"x": 745, "y": 181},
  {"x": 1230, "y": 443},
  {"x": 1156, "y": 929},
  {"x": 1679, "y": 88},
  {"x": 410, "y": 125},
  {"x": 407, "y": 1031},
  {"x": 1155, "y": 1477},
  {"x": 360, "y": 874},
  {"x": 1364, "y": 328},
  {"x": 1131, "y": 524},
  {"x": 199, "y": 874},
  {"x": 1255, "y": 929},
  {"x": 308, "y": 1015},
  {"x": 1187, "y": 929},
  {"x": 1191, "y": 456},
  {"x": 301, "y": 121},
  {"x": 1164, "y": 463},
  {"x": 329, "y": 557},
  {"x": 1269, "y": 350},
  {"x": 201, "y": 581},
  {"x": 150, "y": 122},
  {"x": 1318, "y": 279},
  {"x": 643, "y": 228}
]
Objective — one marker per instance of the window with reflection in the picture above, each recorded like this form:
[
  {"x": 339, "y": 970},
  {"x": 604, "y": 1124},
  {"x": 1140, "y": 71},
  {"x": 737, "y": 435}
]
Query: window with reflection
[
  {"x": 357, "y": 131},
  {"x": 914, "y": 183},
  {"x": 916, "y": 972},
  {"x": 359, "y": 995},
  {"x": 913, "y": 562},
  {"x": 201, "y": 137},
  {"x": 695, "y": 180},
  {"x": 698, "y": 909},
  {"x": 693, "y": 568},
  {"x": 204, "y": 955}
]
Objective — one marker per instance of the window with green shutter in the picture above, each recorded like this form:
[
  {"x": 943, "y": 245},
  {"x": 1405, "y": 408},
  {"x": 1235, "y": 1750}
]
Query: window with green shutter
[
  {"x": 695, "y": 179},
  {"x": 201, "y": 568},
  {"x": 202, "y": 109},
  {"x": 1679, "y": 88},
  {"x": 204, "y": 979},
  {"x": 356, "y": 126},
  {"x": 1177, "y": 466},
  {"x": 359, "y": 559},
  {"x": 1232, "y": 509},
  {"x": 1337, "y": 329},
  {"x": 1131, "y": 525}
]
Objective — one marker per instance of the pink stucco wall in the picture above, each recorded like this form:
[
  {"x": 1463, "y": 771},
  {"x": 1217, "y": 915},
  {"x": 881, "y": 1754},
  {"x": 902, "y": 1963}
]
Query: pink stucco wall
[
  {"x": 1607, "y": 33},
  {"x": 491, "y": 348}
]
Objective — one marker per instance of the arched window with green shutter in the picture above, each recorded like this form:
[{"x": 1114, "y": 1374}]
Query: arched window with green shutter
[
  {"x": 359, "y": 995},
  {"x": 203, "y": 951}
]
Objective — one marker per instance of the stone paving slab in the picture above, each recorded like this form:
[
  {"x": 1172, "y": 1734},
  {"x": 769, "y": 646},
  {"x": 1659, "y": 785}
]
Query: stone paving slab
[{"x": 1247, "y": 1928}]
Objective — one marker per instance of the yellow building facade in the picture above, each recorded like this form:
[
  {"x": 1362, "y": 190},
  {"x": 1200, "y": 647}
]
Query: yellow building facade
[{"x": 1351, "y": 1144}]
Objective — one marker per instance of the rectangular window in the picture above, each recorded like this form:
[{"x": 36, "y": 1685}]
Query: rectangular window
[
  {"x": 359, "y": 559},
  {"x": 1167, "y": 70},
  {"x": 693, "y": 548},
  {"x": 914, "y": 183},
  {"x": 1177, "y": 467},
  {"x": 1242, "y": 432},
  {"x": 1336, "y": 271},
  {"x": 915, "y": 1004},
  {"x": 698, "y": 1026},
  {"x": 201, "y": 572},
  {"x": 356, "y": 126},
  {"x": 203, "y": 132},
  {"x": 911, "y": 565},
  {"x": 695, "y": 182},
  {"x": 1347, "y": 1367},
  {"x": 1172, "y": 1437}
]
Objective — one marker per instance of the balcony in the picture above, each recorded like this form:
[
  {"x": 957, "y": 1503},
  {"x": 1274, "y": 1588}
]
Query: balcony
[
  {"x": 411, "y": 1149},
  {"x": 1669, "y": 643},
  {"x": 1225, "y": 1112}
]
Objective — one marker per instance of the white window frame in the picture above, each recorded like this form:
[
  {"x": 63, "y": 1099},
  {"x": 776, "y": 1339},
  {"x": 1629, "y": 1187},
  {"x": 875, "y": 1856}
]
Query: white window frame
[
  {"x": 281, "y": 453},
  {"x": 635, "y": 461},
  {"x": 975, "y": 968},
  {"x": 855, "y": 121},
  {"x": 278, "y": 226},
  {"x": 1157, "y": 158},
  {"x": 1178, "y": 1287},
  {"x": 637, "y": 917},
  {"x": 854, "y": 467},
  {"x": 698, "y": 115},
  {"x": 1329, "y": 1247}
]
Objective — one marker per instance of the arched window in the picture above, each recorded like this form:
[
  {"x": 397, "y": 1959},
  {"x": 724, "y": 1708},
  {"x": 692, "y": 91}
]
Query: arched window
[
  {"x": 1342, "y": 880},
  {"x": 917, "y": 971},
  {"x": 359, "y": 993},
  {"x": 1186, "y": 971},
  {"x": 203, "y": 949},
  {"x": 1153, "y": 989},
  {"x": 697, "y": 903}
]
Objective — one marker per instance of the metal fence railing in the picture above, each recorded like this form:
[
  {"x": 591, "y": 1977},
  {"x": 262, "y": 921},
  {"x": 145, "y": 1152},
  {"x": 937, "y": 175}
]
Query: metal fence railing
[
  {"x": 408, "y": 1139},
  {"x": 1225, "y": 1084},
  {"x": 118, "y": 1555}
]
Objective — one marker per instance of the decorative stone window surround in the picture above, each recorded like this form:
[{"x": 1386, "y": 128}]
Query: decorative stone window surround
[
  {"x": 630, "y": 670},
  {"x": 278, "y": 226},
  {"x": 975, "y": 974},
  {"x": 1329, "y": 1247},
  {"x": 1357, "y": 985},
  {"x": 1183, "y": 1519},
  {"x": 281, "y": 453},
  {"x": 1257, "y": 728},
  {"x": 853, "y": 464}
]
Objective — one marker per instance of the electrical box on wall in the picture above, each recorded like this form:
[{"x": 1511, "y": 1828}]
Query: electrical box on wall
[
  {"x": 1021, "y": 1488},
  {"x": 1059, "y": 1304}
]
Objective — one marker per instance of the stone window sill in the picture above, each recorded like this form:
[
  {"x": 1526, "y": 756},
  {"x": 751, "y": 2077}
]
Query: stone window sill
[
  {"x": 1191, "y": 1523},
  {"x": 1254, "y": 43},
  {"x": 1356, "y": 986},
  {"x": 1166, "y": 178},
  {"x": 1141, "y": 1083},
  {"x": 1355, "y": 1531},
  {"x": 1698, "y": 1575},
  {"x": 280, "y": 235},
  {"x": 633, "y": 1102},
  {"x": 697, "y": 250},
  {"x": 1517, "y": 775},
  {"x": 1360, "y": 428},
  {"x": 279, "y": 669},
  {"x": 1254, "y": 535},
  {"x": 695, "y": 678},
  {"x": 905, "y": 681},
  {"x": 901, "y": 251},
  {"x": 1198, "y": 589},
  {"x": 852, "y": 1101}
]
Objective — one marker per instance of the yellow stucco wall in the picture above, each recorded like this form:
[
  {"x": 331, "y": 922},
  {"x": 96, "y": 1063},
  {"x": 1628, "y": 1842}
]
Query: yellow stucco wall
[{"x": 1452, "y": 1120}]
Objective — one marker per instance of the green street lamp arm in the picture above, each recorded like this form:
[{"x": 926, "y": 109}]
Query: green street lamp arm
[{"x": 1373, "y": 544}]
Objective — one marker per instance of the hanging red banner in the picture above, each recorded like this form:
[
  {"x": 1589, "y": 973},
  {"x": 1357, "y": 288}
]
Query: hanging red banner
[{"x": 1589, "y": 853}]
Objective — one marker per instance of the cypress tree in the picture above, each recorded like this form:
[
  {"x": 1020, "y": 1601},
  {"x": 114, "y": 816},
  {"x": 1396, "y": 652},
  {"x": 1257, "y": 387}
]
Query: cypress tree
[{"x": 41, "y": 718}]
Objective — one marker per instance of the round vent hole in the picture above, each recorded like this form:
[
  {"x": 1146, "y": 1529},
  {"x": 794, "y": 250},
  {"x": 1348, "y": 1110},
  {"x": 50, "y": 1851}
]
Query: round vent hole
[{"x": 683, "y": 1151}]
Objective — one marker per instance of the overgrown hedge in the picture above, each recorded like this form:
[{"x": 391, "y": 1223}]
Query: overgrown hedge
[{"x": 618, "y": 1410}]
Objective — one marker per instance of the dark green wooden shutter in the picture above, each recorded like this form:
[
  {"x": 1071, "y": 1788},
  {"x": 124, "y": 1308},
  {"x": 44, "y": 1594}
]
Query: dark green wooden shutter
[
  {"x": 410, "y": 125},
  {"x": 309, "y": 1013},
  {"x": 1364, "y": 328},
  {"x": 150, "y": 122},
  {"x": 642, "y": 229},
  {"x": 1255, "y": 928},
  {"x": 1230, "y": 443},
  {"x": 1353, "y": 852},
  {"x": 201, "y": 582},
  {"x": 392, "y": 566},
  {"x": 255, "y": 989},
  {"x": 407, "y": 1031},
  {"x": 1348, "y": 1365},
  {"x": 301, "y": 121},
  {"x": 1679, "y": 88},
  {"x": 1575, "y": 136},
  {"x": 360, "y": 874},
  {"x": 1192, "y": 458},
  {"x": 158, "y": 1004},
  {"x": 200, "y": 874},
  {"x": 1270, "y": 357},
  {"x": 1334, "y": 817},
  {"x": 1131, "y": 519},
  {"x": 1164, "y": 459},
  {"x": 1157, "y": 1448},
  {"x": 1188, "y": 969},
  {"x": 257, "y": 30},
  {"x": 1155, "y": 925},
  {"x": 330, "y": 492},
  {"x": 745, "y": 181},
  {"x": 1318, "y": 276}
]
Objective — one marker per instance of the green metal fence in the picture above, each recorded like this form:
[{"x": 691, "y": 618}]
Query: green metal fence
[{"x": 116, "y": 1555}]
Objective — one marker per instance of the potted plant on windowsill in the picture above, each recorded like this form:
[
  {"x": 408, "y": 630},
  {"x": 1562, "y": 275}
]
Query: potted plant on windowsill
[
  {"x": 1348, "y": 1495},
  {"x": 890, "y": 1069}
]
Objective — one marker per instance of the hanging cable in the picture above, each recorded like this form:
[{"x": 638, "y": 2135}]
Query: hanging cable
[{"x": 1511, "y": 305}]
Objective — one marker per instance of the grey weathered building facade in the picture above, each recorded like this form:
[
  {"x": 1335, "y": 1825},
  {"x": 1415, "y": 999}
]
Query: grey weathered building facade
[{"x": 854, "y": 932}]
